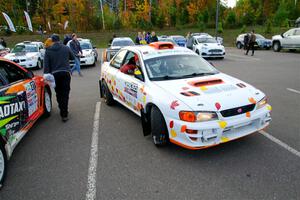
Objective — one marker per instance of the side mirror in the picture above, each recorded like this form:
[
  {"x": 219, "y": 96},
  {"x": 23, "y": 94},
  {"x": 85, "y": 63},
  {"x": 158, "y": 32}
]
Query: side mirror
[
  {"x": 109, "y": 45},
  {"x": 282, "y": 35},
  {"x": 29, "y": 74},
  {"x": 94, "y": 47},
  {"x": 138, "y": 74}
]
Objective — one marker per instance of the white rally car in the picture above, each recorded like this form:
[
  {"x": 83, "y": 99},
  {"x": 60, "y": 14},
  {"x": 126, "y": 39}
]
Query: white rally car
[
  {"x": 28, "y": 54},
  {"x": 181, "y": 98},
  {"x": 89, "y": 52},
  {"x": 207, "y": 46}
]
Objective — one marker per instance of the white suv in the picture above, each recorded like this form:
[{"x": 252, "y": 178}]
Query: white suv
[{"x": 288, "y": 40}]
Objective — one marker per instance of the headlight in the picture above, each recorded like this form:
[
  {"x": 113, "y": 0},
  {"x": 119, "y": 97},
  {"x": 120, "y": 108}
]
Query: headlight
[
  {"x": 89, "y": 55},
  {"x": 200, "y": 116},
  {"x": 262, "y": 103},
  {"x": 33, "y": 58}
]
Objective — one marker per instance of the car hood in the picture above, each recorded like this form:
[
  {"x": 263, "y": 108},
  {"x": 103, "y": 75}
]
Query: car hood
[
  {"x": 86, "y": 52},
  {"x": 263, "y": 40},
  {"x": 202, "y": 93},
  {"x": 20, "y": 55},
  {"x": 276, "y": 37},
  {"x": 211, "y": 45}
]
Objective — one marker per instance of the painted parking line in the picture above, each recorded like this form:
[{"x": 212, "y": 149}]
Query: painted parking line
[
  {"x": 293, "y": 90},
  {"x": 280, "y": 143},
  {"x": 91, "y": 184}
]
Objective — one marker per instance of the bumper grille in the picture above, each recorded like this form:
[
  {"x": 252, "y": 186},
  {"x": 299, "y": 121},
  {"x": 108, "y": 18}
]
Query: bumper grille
[
  {"x": 237, "y": 111},
  {"x": 215, "y": 51}
]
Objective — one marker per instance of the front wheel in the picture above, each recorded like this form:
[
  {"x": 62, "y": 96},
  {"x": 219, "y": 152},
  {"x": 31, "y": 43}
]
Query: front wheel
[
  {"x": 159, "y": 129},
  {"x": 276, "y": 46},
  {"x": 108, "y": 98},
  {"x": 47, "y": 102},
  {"x": 239, "y": 45},
  {"x": 39, "y": 64},
  {"x": 3, "y": 164}
]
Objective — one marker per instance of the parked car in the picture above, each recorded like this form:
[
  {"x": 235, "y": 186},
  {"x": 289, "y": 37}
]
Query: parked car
[
  {"x": 24, "y": 98},
  {"x": 167, "y": 39},
  {"x": 207, "y": 46},
  {"x": 219, "y": 39},
  {"x": 3, "y": 51},
  {"x": 288, "y": 40},
  {"x": 180, "y": 40},
  {"x": 89, "y": 52},
  {"x": 181, "y": 98},
  {"x": 261, "y": 41},
  {"x": 28, "y": 54},
  {"x": 115, "y": 46}
]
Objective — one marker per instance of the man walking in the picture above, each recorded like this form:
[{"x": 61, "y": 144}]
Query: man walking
[
  {"x": 77, "y": 51},
  {"x": 56, "y": 62},
  {"x": 252, "y": 41}
]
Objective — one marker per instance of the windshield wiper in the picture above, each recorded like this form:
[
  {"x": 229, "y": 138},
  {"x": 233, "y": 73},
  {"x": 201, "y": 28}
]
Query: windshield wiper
[{"x": 199, "y": 74}]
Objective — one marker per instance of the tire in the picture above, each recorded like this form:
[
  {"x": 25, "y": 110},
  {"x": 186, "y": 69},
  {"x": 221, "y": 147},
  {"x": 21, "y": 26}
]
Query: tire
[
  {"x": 268, "y": 48},
  {"x": 159, "y": 131},
  {"x": 94, "y": 64},
  {"x": 39, "y": 64},
  {"x": 47, "y": 102},
  {"x": 239, "y": 45},
  {"x": 3, "y": 164},
  {"x": 107, "y": 96},
  {"x": 276, "y": 46}
]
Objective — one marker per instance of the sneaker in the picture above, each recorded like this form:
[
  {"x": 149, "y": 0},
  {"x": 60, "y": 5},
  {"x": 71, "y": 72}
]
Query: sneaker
[
  {"x": 80, "y": 74},
  {"x": 64, "y": 119}
]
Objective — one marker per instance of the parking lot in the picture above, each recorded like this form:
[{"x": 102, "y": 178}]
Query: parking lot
[{"x": 101, "y": 150}]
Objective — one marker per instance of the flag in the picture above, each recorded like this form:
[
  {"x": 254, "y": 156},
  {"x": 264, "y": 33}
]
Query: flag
[
  {"x": 28, "y": 21},
  {"x": 66, "y": 25},
  {"x": 49, "y": 25},
  {"x": 9, "y": 22}
]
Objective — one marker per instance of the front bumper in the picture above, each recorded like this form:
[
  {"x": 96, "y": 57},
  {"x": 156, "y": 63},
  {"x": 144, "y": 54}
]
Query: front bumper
[
  {"x": 219, "y": 131},
  {"x": 85, "y": 61},
  {"x": 213, "y": 54},
  {"x": 26, "y": 63}
]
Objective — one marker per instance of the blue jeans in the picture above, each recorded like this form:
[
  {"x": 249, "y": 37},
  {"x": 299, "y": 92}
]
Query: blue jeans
[{"x": 76, "y": 65}]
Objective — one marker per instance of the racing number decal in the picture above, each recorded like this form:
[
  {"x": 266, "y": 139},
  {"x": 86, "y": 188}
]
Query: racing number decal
[
  {"x": 131, "y": 90},
  {"x": 32, "y": 98}
]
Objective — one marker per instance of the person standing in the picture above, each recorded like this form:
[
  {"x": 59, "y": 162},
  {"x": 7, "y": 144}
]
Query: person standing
[
  {"x": 77, "y": 51},
  {"x": 246, "y": 41},
  {"x": 153, "y": 37},
  {"x": 3, "y": 43},
  {"x": 189, "y": 41},
  {"x": 56, "y": 62},
  {"x": 252, "y": 41}
]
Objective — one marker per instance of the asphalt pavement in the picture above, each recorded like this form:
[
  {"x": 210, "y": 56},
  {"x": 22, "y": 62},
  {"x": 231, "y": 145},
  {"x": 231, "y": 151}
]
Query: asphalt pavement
[{"x": 53, "y": 161}]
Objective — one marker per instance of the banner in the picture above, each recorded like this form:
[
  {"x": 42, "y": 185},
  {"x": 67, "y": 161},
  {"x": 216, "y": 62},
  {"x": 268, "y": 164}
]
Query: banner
[
  {"x": 66, "y": 25},
  {"x": 28, "y": 21},
  {"x": 9, "y": 22},
  {"x": 49, "y": 25}
]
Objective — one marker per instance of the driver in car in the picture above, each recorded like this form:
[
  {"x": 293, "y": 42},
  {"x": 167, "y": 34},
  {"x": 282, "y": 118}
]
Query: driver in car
[{"x": 129, "y": 67}]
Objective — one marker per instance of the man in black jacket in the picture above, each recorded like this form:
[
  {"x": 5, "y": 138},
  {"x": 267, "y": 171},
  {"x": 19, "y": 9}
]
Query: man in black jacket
[{"x": 56, "y": 62}]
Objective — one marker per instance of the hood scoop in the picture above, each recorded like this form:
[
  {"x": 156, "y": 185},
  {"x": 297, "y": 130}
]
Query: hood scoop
[{"x": 207, "y": 82}]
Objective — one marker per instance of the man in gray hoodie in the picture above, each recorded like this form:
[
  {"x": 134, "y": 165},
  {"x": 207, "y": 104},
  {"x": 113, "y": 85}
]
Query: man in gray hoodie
[{"x": 56, "y": 62}]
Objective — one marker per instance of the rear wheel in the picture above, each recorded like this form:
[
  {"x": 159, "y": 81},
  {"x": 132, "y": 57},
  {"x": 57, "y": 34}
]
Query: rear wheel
[
  {"x": 3, "y": 164},
  {"x": 47, "y": 103},
  {"x": 239, "y": 45},
  {"x": 108, "y": 98},
  {"x": 159, "y": 131},
  {"x": 39, "y": 64},
  {"x": 276, "y": 46}
]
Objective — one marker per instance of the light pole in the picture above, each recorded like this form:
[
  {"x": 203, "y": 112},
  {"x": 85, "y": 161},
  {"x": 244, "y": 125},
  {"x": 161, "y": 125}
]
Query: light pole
[
  {"x": 101, "y": 6},
  {"x": 27, "y": 4},
  {"x": 217, "y": 18}
]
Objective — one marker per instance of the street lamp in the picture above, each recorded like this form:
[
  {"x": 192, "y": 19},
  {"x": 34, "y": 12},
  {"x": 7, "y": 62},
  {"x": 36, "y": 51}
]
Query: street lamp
[{"x": 217, "y": 17}]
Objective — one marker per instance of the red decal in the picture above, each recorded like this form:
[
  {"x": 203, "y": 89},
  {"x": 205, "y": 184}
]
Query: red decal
[
  {"x": 183, "y": 128},
  {"x": 185, "y": 88},
  {"x": 174, "y": 104},
  {"x": 171, "y": 124},
  {"x": 218, "y": 106}
]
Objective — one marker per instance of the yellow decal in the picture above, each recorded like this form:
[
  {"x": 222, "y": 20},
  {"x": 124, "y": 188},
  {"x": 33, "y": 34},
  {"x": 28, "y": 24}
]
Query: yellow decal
[
  {"x": 203, "y": 88},
  {"x": 224, "y": 139},
  {"x": 269, "y": 107},
  {"x": 173, "y": 133},
  {"x": 144, "y": 99},
  {"x": 222, "y": 124}
]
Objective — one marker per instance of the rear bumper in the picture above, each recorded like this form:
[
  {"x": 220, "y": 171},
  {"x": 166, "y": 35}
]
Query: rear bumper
[{"x": 216, "y": 132}]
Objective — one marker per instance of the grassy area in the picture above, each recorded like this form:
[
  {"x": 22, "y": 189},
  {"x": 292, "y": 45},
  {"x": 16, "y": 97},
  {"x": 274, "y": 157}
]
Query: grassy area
[{"x": 101, "y": 38}]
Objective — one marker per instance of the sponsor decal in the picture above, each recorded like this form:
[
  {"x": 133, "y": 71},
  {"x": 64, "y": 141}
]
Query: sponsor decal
[{"x": 131, "y": 89}]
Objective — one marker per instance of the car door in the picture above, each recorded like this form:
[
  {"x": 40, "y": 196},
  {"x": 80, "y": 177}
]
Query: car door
[
  {"x": 297, "y": 38},
  {"x": 287, "y": 40},
  {"x": 130, "y": 86},
  {"x": 111, "y": 71},
  {"x": 18, "y": 102}
]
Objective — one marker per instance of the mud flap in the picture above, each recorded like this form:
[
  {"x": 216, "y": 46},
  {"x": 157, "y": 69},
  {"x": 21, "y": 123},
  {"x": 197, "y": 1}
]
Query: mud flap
[
  {"x": 146, "y": 125},
  {"x": 100, "y": 86}
]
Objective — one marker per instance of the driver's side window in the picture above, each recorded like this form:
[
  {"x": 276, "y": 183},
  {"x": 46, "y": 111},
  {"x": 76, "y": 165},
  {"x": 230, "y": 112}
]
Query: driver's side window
[
  {"x": 11, "y": 73},
  {"x": 117, "y": 61}
]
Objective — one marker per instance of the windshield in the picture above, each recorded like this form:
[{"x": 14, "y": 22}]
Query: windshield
[
  {"x": 179, "y": 38},
  {"x": 1, "y": 47},
  {"x": 177, "y": 66},
  {"x": 85, "y": 45},
  {"x": 207, "y": 40},
  {"x": 258, "y": 36},
  {"x": 25, "y": 48},
  {"x": 122, "y": 43}
]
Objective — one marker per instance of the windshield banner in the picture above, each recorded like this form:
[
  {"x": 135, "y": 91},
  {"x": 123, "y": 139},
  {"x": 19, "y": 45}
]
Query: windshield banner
[
  {"x": 9, "y": 22},
  {"x": 28, "y": 21}
]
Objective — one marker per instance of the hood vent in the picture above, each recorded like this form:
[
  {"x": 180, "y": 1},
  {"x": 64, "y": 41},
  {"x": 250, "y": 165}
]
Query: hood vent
[{"x": 206, "y": 82}]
